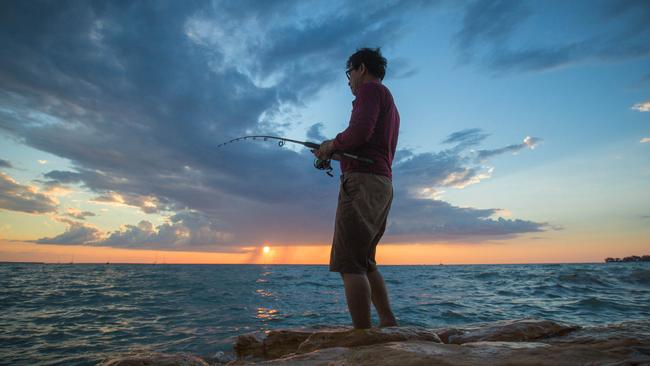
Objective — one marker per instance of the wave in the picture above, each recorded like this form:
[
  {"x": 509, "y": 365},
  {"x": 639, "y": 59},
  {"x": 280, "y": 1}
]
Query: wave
[
  {"x": 582, "y": 278},
  {"x": 595, "y": 303},
  {"x": 452, "y": 315},
  {"x": 639, "y": 276},
  {"x": 317, "y": 284},
  {"x": 487, "y": 275}
]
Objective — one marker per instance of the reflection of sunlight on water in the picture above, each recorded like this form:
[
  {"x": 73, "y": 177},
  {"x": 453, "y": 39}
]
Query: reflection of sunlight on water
[
  {"x": 264, "y": 293},
  {"x": 267, "y": 314}
]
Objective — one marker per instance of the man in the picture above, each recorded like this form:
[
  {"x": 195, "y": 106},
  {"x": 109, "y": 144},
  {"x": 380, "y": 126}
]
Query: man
[{"x": 366, "y": 191}]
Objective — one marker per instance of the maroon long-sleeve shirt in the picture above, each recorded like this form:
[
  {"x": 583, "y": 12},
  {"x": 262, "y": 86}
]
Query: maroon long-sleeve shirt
[{"x": 372, "y": 133}]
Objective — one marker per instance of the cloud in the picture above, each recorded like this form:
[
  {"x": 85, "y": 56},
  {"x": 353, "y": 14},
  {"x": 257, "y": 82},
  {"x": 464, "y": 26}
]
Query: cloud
[
  {"x": 466, "y": 138},
  {"x": 529, "y": 142},
  {"x": 76, "y": 233},
  {"x": 453, "y": 167},
  {"x": 315, "y": 134},
  {"x": 17, "y": 197},
  {"x": 148, "y": 204},
  {"x": 400, "y": 68},
  {"x": 5, "y": 164},
  {"x": 488, "y": 21},
  {"x": 645, "y": 140},
  {"x": 619, "y": 32},
  {"x": 642, "y": 107},
  {"x": 143, "y": 93},
  {"x": 78, "y": 214},
  {"x": 419, "y": 215},
  {"x": 64, "y": 177},
  {"x": 436, "y": 220},
  {"x": 184, "y": 231}
]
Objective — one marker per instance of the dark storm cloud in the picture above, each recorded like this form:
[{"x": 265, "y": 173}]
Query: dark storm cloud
[
  {"x": 138, "y": 95},
  {"x": 5, "y": 164},
  {"x": 17, "y": 197},
  {"x": 489, "y": 25}
]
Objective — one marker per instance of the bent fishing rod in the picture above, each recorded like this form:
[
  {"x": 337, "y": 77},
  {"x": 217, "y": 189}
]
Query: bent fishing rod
[{"x": 320, "y": 164}]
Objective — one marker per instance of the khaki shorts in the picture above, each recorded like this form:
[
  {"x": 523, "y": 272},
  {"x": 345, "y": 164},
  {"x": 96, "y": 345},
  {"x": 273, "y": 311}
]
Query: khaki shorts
[{"x": 364, "y": 202}]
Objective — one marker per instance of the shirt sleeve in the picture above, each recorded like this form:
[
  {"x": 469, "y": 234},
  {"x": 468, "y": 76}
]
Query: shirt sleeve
[{"x": 365, "y": 112}]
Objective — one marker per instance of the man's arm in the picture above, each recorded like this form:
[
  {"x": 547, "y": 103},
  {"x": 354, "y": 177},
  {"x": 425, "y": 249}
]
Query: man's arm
[{"x": 363, "y": 120}]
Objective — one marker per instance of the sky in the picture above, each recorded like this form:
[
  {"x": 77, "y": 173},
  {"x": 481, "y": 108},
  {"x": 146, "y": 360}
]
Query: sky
[{"x": 524, "y": 138}]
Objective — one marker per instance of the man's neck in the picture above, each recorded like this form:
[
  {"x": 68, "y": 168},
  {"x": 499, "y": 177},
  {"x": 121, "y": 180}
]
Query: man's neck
[{"x": 367, "y": 78}]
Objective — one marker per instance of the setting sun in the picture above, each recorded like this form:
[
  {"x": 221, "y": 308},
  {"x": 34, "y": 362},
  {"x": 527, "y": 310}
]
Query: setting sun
[{"x": 266, "y": 249}]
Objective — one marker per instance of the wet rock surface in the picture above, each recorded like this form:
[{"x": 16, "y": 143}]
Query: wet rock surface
[
  {"x": 474, "y": 353},
  {"x": 284, "y": 342},
  {"x": 516, "y": 342},
  {"x": 508, "y": 331},
  {"x": 157, "y": 359}
]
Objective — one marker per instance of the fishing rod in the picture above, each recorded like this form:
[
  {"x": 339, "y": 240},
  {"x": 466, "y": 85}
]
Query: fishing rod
[{"x": 320, "y": 164}]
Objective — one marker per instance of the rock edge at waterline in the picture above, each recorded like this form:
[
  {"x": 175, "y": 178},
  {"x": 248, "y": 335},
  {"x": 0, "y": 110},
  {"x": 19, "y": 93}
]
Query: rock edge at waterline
[{"x": 521, "y": 342}]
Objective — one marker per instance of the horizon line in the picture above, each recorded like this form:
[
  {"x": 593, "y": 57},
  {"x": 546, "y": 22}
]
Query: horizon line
[{"x": 300, "y": 264}]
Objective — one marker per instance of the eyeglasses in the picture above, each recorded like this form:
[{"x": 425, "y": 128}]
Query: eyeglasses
[{"x": 347, "y": 72}]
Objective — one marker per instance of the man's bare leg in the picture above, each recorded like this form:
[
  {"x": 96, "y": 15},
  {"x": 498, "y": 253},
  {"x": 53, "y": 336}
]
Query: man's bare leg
[
  {"x": 357, "y": 294},
  {"x": 380, "y": 299}
]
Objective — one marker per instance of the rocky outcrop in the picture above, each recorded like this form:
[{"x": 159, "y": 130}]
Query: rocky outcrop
[
  {"x": 284, "y": 342},
  {"x": 515, "y": 342},
  {"x": 506, "y": 331},
  {"x": 475, "y": 353},
  {"x": 155, "y": 359}
]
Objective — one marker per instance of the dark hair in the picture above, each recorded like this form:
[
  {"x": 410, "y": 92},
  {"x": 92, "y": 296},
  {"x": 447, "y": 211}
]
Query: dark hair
[{"x": 372, "y": 58}]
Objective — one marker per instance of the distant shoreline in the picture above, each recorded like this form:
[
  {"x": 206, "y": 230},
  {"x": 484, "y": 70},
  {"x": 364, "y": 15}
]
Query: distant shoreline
[{"x": 632, "y": 258}]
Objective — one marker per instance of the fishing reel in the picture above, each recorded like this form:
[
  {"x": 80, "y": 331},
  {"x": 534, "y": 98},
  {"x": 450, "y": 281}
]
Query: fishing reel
[{"x": 324, "y": 164}]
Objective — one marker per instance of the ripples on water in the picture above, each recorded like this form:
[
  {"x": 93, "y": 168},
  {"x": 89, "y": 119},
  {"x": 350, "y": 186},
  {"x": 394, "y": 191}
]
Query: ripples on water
[{"x": 80, "y": 314}]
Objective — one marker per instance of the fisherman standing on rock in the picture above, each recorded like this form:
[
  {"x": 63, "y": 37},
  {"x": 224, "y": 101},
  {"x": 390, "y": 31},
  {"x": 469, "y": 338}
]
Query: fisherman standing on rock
[{"x": 366, "y": 190}]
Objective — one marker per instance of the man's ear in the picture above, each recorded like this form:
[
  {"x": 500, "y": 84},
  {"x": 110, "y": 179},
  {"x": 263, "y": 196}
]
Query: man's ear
[{"x": 362, "y": 68}]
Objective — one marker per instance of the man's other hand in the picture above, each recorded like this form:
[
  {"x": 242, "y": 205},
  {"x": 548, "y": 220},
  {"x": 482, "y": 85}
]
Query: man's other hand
[{"x": 325, "y": 151}]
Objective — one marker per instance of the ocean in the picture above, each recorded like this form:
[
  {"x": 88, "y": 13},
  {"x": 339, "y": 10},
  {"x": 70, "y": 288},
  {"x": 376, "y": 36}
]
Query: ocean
[{"x": 79, "y": 314}]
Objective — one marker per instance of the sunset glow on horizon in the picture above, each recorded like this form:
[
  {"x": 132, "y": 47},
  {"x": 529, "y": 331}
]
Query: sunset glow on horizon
[{"x": 523, "y": 140}]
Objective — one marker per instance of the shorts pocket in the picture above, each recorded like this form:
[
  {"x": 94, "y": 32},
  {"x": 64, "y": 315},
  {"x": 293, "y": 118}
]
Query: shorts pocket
[{"x": 350, "y": 186}]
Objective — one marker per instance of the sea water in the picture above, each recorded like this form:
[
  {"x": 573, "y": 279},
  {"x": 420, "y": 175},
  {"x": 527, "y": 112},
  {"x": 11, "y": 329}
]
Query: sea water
[{"x": 80, "y": 314}]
